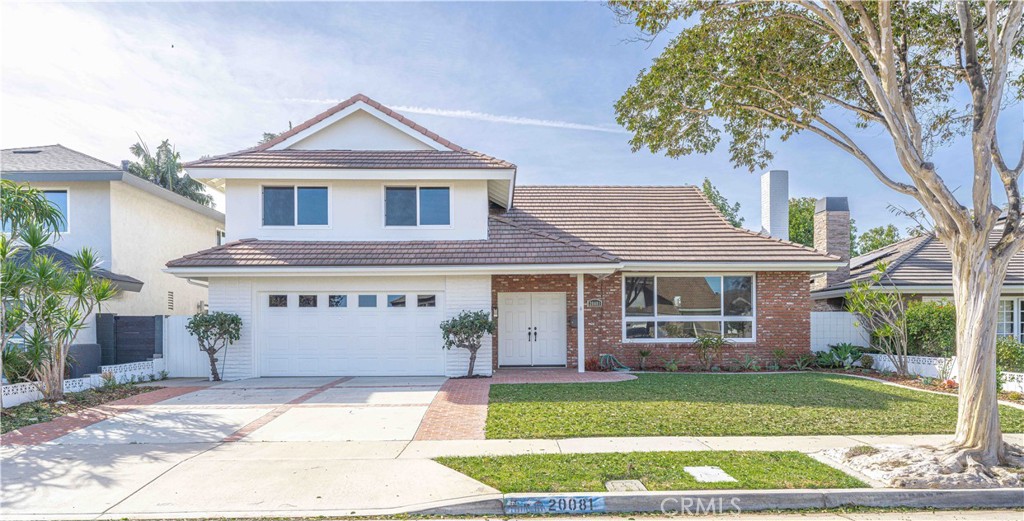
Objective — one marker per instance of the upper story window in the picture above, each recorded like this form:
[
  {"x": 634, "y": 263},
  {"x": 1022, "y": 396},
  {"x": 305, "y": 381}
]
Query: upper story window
[
  {"x": 295, "y": 205},
  {"x": 417, "y": 206},
  {"x": 57, "y": 198}
]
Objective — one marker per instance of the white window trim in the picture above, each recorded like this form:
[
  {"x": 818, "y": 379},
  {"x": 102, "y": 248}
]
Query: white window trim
[
  {"x": 295, "y": 199},
  {"x": 689, "y": 318},
  {"x": 417, "y": 186},
  {"x": 1016, "y": 316}
]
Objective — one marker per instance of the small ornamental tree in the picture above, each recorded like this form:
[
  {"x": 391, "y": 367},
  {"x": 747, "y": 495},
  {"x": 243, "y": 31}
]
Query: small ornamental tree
[
  {"x": 215, "y": 331},
  {"x": 883, "y": 313},
  {"x": 467, "y": 331}
]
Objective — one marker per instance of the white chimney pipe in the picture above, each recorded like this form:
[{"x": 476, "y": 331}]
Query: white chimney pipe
[{"x": 775, "y": 204}]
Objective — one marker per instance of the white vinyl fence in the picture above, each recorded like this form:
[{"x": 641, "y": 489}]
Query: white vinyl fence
[
  {"x": 829, "y": 328},
  {"x": 17, "y": 394},
  {"x": 181, "y": 350},
  {"x": 934, "y": 367}
]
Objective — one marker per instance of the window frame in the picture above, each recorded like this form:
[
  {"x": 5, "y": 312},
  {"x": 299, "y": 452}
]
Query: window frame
[
  {"x": 295, "y": 208},
  {"x": 722, "y": 318},
  {"x": 417, "y": 187},
  {"x": 67, "y": 216},
  {"x": 1016, "y": 317}
]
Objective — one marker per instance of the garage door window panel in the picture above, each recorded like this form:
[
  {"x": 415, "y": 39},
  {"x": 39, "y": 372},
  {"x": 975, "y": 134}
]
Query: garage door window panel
[
  {"x": 307, "y": 301},
  {"x": 367, "y": 301},
  {"x": 337, "y": 301},
  {"x": 278, "y": 301},
  {"x": 426, "y": 301},
  {"x": 396, "y": 301}
]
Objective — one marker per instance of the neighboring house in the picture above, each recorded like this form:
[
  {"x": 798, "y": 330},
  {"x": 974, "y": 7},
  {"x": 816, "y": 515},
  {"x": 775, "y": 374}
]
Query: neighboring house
[
  {"x": 133, "y": 225},
  {"x": 920, "y": 267},
  {"x": 353, "y": 235}
]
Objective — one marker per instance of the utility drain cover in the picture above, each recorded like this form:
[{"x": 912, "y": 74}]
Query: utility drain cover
[
  {"x": 708, "y": 474},
  {"x": 625, "y": 485}
]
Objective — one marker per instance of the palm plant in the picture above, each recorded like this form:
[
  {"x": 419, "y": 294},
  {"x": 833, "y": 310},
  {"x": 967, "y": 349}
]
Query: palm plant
[{"x": 164, "y": 168}]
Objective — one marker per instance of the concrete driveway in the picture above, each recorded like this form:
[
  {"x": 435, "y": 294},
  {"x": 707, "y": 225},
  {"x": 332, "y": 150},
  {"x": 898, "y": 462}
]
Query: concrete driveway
[{"x": 280, "y": 446}]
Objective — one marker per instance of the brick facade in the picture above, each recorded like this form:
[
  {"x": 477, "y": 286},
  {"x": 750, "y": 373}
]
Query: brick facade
[{"x": 783, "y": 318}]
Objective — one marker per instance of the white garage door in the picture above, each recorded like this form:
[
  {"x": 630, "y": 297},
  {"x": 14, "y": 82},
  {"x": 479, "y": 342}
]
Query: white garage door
[{"x": 350, "y": 333}]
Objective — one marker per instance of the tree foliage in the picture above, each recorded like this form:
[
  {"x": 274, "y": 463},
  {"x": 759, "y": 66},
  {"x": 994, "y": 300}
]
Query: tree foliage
[
  {"x": 22, "y": 205},
  {"x": 164, "y": 168},
  {"x": 730, "y": 212},
  {"x": 215, "y": 331},
  {"x": 877, "y": 237},
  {"x": 931, "y": 329},
  {"x": 467, "y": 331},
  {"x": 922, "y": 73}
]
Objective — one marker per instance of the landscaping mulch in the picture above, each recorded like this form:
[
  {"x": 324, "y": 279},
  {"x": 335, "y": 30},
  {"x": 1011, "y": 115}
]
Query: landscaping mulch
[
  {"x": 41, "y": 411},
  {"x": 918, "y": 383}
]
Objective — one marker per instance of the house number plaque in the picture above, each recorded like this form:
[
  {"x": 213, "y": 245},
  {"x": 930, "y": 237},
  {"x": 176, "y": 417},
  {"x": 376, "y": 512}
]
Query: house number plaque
[{"x": 595, "y": 303}]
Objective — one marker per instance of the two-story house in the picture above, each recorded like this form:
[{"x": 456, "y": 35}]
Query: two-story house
[
  {"x": 353, "y": 235},
  {"x": 133, "y": 225}
]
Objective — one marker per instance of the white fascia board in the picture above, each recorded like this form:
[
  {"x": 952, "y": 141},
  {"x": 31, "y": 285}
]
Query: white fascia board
[
  {"x": 357, "y": 106},
  {"x": 220, "y": 174},
  {"x": 336, "y": 271},
  {"x": 812, "y": 267}
]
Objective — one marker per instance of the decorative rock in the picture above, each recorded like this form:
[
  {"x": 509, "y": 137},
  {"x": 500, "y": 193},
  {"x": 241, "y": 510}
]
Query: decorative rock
[
  {"x": 709, "y": 474},
  {"x": 625, "y": 485}
]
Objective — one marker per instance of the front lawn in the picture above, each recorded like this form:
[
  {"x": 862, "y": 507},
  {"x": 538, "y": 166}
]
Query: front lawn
[
  {"x": 656, "y": 470},
  {"x": 723, "y": 405},
  {"x": 42, "y": 411}
]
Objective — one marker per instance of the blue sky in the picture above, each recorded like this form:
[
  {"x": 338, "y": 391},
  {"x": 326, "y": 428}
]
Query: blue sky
[{"x": 533, "y": 83}]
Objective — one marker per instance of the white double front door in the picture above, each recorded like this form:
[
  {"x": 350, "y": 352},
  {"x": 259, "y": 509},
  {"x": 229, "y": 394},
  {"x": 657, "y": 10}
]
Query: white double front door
[{"x": 531, "y": 329}]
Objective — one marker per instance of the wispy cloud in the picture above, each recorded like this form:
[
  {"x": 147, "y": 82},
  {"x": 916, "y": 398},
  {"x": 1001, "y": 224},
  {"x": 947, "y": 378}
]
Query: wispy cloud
[{"x": 483, "y": 116}]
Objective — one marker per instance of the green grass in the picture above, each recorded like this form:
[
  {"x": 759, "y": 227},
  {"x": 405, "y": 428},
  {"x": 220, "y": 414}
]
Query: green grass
[
  {"x": 657, "y": 471},
  {"x": 723, "y": 405}
]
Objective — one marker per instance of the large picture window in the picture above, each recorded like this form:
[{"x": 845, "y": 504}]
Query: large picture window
[
  {"x": 290, "y": 205},
  {"x": 1010, "y": 319},
  {"x": 682, "y": 308},
  {"x": 417, "y": 206}
]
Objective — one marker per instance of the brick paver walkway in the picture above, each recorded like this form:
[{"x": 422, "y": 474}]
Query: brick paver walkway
[
  {"x": 51, "y": 430},
  {"x": 459, "y": 411}
]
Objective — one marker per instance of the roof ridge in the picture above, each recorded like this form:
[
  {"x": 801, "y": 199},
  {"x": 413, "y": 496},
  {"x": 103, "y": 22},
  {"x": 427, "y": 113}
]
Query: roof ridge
[
  {"x": 924, "y": 239},
  {"x": 71, "y": 150},
  {"x": 592, "y": 249},
  {"x": 359, "y": 97},
  {"x": 606, "y": 186}
]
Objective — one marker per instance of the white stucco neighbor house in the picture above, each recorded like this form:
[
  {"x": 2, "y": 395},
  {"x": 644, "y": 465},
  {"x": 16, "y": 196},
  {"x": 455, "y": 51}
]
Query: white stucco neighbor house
[
  {"x": 353, "y": 235},
  {"x": 133, "y": 225}
]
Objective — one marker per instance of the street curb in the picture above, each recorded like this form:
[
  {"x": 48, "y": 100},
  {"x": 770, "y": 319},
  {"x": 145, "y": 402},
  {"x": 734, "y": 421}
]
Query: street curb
[{"x": 719, "y": 501}]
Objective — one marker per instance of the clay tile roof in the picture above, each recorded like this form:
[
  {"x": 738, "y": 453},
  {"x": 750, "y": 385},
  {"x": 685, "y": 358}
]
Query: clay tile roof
[
  {"x": 547, "y": 225},
  {"x": 649, "y": 224},
  {"x": 507, "y": 243},
  {"x": 408, "y": 159},
  {"x": 51, "y": 158},
  {"x": 261, "y": 156}
]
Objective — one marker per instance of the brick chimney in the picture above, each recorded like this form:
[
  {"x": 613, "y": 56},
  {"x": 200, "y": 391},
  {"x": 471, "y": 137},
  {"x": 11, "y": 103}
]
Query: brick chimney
[
  {"x": 775, "y": 204},
  {"x": 832, "y": 236}
]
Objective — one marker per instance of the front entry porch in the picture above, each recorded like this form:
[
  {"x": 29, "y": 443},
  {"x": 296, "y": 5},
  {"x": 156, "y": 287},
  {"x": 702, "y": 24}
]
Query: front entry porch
[{"x": 532, "y": 329}]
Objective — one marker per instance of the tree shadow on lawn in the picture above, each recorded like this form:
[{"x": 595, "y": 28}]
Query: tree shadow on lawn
[{"x": 809, "y": 390}]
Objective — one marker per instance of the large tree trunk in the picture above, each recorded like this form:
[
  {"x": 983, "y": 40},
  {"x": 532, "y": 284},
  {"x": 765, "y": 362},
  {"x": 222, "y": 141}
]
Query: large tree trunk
[
  {"x": 977, "y": 282},
  {"x": 472, "y": 359},
  {"x": 214, "y": 375}
]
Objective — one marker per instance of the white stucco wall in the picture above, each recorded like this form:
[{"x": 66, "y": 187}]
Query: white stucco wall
[
  {"x": 240, "y": 296},
  {"x": 356, "y": 212},
  {"x": 360, "y": 131},
  {"x": 146, "y": 232},
  {"x": 88, "y": 218}
]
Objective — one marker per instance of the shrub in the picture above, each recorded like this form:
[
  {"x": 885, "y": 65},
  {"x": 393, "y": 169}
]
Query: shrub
[
  {"x": 931, "y": 329},
  {"x": 709, "y": 349},
  {"x": 777, "y": 356},
  {"x": 671, "y": 364},
  {"x": 644, "y": 355},
  {"x": 867, "y": 361},
  {"x": 592, "y": 364},
  {"x": 803, "y": 362},
  {"x": 1010, "y": 354}
]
